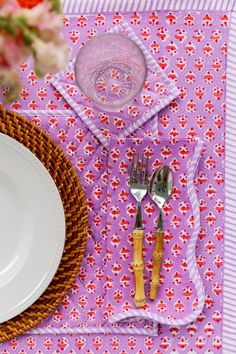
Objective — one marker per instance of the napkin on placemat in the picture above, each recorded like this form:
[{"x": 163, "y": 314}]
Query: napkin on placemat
[{"x": 181, "y": 294}]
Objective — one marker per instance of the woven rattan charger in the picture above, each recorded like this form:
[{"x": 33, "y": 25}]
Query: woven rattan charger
[{"x": 74, "y": 203}]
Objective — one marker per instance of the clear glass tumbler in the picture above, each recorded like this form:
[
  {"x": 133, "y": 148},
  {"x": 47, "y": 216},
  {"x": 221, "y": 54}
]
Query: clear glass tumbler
[{"x": 110, "y": 70}]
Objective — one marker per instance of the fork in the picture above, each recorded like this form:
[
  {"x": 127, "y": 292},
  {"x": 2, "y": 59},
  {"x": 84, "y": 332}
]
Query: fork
[{"x": 138, "y": 188}]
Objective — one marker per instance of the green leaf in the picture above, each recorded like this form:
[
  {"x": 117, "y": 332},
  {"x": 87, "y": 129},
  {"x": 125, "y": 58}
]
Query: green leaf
[
  {"x": 56, "y": 6},
  {"x": 26, "y": 31},
  {"x": 38, "y": 72},
  {"x": 11, "y": 26},
  {"x": 7, "y": 24}
]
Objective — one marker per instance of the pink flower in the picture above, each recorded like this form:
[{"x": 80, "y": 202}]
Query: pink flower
[
  {"x": 9, "y": 8},
  {"x": 26, "y": 32},
  {"x": 12, "y": 50},
  {"x": 49, "y": 23},
  {"x": 50, "y": 56}
]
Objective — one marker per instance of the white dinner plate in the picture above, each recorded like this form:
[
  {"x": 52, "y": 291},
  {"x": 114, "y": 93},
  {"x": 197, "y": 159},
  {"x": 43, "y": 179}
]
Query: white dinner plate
[{"x": 32, "y": 228}]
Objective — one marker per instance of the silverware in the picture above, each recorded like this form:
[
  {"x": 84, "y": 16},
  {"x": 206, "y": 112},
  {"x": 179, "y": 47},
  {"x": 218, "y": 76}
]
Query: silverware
[
  {"x": 160, "y": 189},
  {"x": 138, "y": 188}
]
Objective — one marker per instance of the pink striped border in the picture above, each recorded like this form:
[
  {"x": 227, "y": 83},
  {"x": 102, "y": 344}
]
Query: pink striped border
[
  {"x": 95, "y": 330},
  {"x": 229, "y": 283},
  {"x": 95, "y": 6}
]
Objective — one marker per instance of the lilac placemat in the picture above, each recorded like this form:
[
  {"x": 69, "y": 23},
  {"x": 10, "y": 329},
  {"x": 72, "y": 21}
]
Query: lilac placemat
[{"x": 189, "y": 72}]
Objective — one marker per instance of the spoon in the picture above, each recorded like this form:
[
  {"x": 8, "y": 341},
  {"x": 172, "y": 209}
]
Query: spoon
[{"x": 160, "y": 189}]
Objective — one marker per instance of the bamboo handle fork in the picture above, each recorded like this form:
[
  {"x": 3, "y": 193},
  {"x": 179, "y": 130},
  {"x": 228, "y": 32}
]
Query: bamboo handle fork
[
  {"x": 138, "y": 188},
  {"x": 160, "y": 189}
]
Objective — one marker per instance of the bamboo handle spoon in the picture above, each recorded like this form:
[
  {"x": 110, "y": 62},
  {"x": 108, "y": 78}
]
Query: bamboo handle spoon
[{"x": 160, "y": 189}]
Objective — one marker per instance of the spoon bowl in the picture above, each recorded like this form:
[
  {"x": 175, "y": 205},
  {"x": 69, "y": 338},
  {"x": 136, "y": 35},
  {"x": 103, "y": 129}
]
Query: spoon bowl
[
  {"x": 160, "y": 189},
  {"x": 161, "y": 186}
]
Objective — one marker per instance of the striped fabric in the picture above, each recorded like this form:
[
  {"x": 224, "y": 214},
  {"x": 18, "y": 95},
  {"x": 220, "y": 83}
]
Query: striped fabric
[
  {"x": 229, "y": 290},
  {"x": 95, "y": 330},
  {"x": 94, "y": 6}
]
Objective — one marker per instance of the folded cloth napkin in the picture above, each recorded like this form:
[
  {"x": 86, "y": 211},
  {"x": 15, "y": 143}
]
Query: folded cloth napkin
[
  {"x": 158, "y": 91},
  {"x": 181, "y": 294}
]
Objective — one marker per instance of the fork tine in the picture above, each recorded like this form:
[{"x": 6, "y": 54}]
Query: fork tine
[
  {"x": 137, "y": 168},
  {"x": 141, "y": 170},
  {"x": 146, "y": 171},
  {"x": 132, "y": 170}
]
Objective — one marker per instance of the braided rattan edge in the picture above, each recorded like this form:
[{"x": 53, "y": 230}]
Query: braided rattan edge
[{"x": 76, "y": 217}]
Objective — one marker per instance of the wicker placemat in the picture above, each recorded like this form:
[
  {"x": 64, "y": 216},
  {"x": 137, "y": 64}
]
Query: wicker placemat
[{"x": 67, "y": 182}]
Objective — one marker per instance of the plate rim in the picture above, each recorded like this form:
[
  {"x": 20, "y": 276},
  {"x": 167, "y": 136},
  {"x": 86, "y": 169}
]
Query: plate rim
[{"x": 45, "y": 175}]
